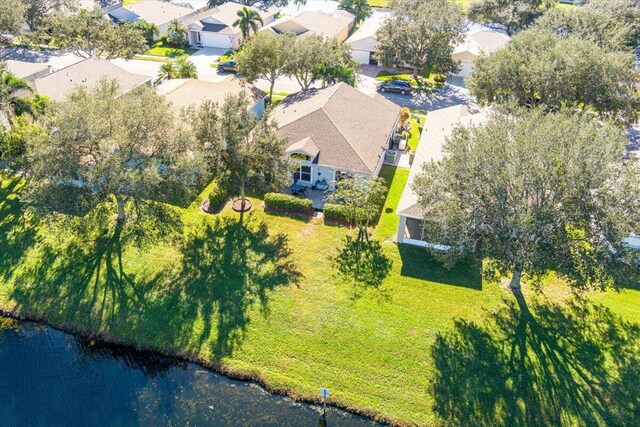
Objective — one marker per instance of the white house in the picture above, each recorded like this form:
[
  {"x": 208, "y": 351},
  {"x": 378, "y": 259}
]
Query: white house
[
  {"x": 364, "y": 42},
  {"x": 214, "y": 27},
  {"x": 438, "y": 126},
  {"x": 184, "y": 93},
  {"x": 474, "y": 44},
  {"x": 160, "y": 13},
  {"x": 335, "y": 131},
  {"x": 330, "y": 26}
]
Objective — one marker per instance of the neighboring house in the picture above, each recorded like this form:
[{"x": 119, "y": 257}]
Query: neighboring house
[
  {"x": 335, "y": 26},
  {"x": 86, "y": 73},
  {"x": 364, "y": 42},
  {"x": 28, "y": 71},
  {"x": 474, "y": 45},
  {"x": 185, "y": 93},
  {"x": 335, "y": 131},
  {"x": 155, "y": 12},
  {"x": 438, "y": 126},
  {"x": 214, "y": 27}
]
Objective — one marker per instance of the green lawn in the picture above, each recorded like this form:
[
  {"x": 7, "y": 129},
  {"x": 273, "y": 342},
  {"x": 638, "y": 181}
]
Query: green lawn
[
  {"x": 385, "y": 3},
  {"x": 417, "y": 123},
  {"x": 159, "y": 49},
  {"x": 265, "y": 300}
]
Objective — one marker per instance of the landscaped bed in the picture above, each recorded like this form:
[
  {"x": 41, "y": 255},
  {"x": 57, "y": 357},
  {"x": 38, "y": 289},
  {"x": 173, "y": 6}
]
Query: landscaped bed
[
  {"x": 262, "y": 300},
  {"x": 424, "y": 83},
  {"x": 159, "y": 48}
]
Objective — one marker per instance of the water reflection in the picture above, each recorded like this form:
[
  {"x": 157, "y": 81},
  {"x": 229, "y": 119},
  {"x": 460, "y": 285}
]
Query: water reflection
[{"x": 53, "y": 379}]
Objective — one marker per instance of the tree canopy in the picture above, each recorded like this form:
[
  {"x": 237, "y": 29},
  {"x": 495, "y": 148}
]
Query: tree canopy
[
  {"x": 509, "y": 15},
  {"x": 540, "y": 68},
  {"x": 127, "y": 150},
  {"x": 586, "y": 24},
  {"x": 11, "y": 19},
  {"x": 360, "y": 8},
  {"x": 38, "y": 10},
  {"x": 535, "y": 192},
  {"x": 265, "y": 56},
  {"x": 90, "y": 33},
  {"x": 422, "y": 35},
  {"x": 624, "y": 12},
  {"x": 239, "y": 148}
]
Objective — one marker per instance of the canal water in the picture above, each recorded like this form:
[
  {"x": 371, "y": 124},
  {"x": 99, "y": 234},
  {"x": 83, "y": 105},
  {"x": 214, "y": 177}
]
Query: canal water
[{"x": 50, "y": 378}]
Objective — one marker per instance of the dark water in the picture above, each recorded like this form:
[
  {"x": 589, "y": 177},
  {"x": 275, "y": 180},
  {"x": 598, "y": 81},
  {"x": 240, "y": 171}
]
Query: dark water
[{"x": 49, "y": 378}]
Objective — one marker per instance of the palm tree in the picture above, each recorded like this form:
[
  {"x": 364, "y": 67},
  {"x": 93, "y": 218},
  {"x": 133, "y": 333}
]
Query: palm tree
[
  {"x": 299, "y": 3},
  {"x": 12, "y": 91},
  {"x": 167, "y": 71},
  {"x": 149, "y": 30},
  {"x": 360, "y": 8},
  {"x": 186, "y": 69},
  {"x": 248, "y": 20},
  {"x": 177, "y": 32}
]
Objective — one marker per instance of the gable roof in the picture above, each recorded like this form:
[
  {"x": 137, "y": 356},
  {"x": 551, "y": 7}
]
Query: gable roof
[
  {"x": 482, "y": 41},
  {"x": 313, "y": 22},
  {"x": 350, "y": 129},
  {"x": 86, "y": 73},
  {"x": 437, "y": 128},
  {"x": 192, "y": 93},
  {"x": 222, "y": 18},
  {"x": 155, "y": 12},
  {"x": 367, "y": 32},
  {"x": 26, "y": 70}
]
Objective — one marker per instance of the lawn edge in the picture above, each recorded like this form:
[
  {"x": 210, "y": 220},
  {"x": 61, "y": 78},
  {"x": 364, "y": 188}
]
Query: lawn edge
[{"x": 218, "y": 368}]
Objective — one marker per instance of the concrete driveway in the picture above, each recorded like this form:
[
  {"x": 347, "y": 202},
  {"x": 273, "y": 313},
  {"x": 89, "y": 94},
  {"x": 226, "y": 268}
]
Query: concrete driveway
[
  {"x": 203, "y": 59},
  {"x": 453, "y": 93}
]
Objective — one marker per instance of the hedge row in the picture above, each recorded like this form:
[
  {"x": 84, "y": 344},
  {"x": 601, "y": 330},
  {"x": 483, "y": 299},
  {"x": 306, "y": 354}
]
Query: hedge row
[
  {"x": 286, "y": 202},
  {"x": 338, "y": 214}
]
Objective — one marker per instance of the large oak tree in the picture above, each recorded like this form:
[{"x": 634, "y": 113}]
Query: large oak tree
[
  {"x": 124, "y": 149},
  {"x": 541, "y": 68},
  {"x": 509, "y": 15},
  {"x": 421, "y": 34},
  {"x": 536, "y": 192}
]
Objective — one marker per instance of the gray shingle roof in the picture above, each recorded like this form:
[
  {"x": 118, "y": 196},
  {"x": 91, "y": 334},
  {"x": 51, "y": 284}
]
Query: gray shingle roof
[{"x": 350, "y": 128}]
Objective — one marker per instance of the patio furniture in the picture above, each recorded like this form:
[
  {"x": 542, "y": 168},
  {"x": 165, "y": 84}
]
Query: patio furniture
[
  {"x": 402, "y": 145},
  {"x": 298, "y": 189}
]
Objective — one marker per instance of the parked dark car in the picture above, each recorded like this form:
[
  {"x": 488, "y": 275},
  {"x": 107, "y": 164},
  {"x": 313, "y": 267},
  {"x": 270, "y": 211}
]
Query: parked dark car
[
  {"x": 397, "y": 86},
  {"x": 227, "y": 67}
]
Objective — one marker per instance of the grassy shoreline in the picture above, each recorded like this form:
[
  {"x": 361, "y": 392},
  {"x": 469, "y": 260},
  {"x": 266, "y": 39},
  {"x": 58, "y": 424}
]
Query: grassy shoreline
[{"x": 274, "y": 312}]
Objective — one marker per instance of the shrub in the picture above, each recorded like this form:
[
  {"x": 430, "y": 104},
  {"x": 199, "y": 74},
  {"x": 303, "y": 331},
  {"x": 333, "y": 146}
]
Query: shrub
[
  {"x": 279, "y": 201},
  {"x": 217, "y": 196},
  {"x": 334, "y": 211}
]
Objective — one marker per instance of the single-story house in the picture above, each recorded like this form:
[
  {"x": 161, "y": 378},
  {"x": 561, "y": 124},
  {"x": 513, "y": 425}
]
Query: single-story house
[
  {"x": 28, "y": 71},
  {"x": 335, "y": 26},
  {"x": 364, "y": 42},
  {"x": 160, "y": 13},
  {"x": 484, "y": 41},
  {"x": 214, "y": 27},
  {"x": 86, "y": 73},
  {"x": 185, "y": 93},
  {"x": 335, "y": 131},
  {"x": 438, "y": 126}
]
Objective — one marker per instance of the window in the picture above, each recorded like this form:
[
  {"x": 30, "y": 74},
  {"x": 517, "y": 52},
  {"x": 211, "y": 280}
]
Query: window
[
  {"x": 300, "y": 156},
  {"x": 303, "y": 174}
]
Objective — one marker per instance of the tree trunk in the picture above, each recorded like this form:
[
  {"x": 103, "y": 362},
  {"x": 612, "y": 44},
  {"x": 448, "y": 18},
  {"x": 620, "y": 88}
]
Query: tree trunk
[
  {"x": 415, "y": 73},
  {"x": 122, "y": 216},
  {"x": 242, "y": 201},
  {"x": 515, "y": 280},
  {"x": 273, "y": 83}
]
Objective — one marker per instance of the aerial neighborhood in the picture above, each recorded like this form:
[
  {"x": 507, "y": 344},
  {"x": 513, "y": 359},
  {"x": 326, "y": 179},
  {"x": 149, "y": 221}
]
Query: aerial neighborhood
[{"x": 374, "y": 212}]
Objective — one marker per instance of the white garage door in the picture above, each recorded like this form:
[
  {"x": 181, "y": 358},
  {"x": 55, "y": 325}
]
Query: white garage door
[
  {"x": 362, "y": 56},
  {"x": 216, "y": 40},
  {"x": 466, "y": 68}
]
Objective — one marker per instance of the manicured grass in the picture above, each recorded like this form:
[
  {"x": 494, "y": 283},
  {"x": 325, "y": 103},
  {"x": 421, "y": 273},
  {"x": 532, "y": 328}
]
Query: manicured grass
[
  {"x": 264, "y": 299},
  {"x": 386, "y": 3},
  {"x": 417, "y": 123},
  {"x": 159, "y": 49},
  {"x": 425, "y": 82}
]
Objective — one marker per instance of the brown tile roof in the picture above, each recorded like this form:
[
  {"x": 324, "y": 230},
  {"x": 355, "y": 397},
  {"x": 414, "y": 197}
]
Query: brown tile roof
[
  {"x": 350, "y": 129},
  {"x": 86, "y": 73}
]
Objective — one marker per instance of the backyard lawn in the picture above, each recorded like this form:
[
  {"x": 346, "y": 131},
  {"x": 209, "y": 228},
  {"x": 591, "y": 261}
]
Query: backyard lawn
[
  {"x": 263, "y": 299},
  {"x": 159, "y": 49}
]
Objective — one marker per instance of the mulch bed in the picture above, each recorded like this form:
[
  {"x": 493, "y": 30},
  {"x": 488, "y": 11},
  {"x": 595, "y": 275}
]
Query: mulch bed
[{"x": 237, "y": 205}]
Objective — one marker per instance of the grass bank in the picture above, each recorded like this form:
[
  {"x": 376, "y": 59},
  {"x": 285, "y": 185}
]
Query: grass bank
[{"x": 264, "y": 301}]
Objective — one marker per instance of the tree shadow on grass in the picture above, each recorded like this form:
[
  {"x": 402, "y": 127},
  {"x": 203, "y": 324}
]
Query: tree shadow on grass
[
  {"x": 365, "y": 265},
  {"x": 80, "y": 276},
  {"x": 419, "y": 264},
  {"x": 227, "y": 267},
  {"x": 573, "y": 364},
  {"x": 18, "y": 230}
]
